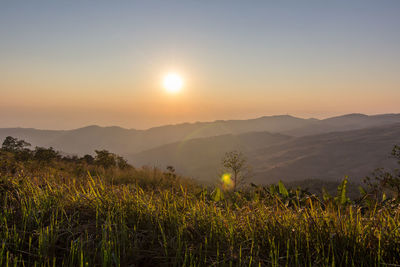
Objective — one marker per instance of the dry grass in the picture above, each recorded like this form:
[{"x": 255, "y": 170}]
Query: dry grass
[{"x": 156, "y": 219}]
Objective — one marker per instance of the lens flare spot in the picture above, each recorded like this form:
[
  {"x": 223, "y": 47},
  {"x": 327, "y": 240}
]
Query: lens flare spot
[{"x": 227, "y": 182}]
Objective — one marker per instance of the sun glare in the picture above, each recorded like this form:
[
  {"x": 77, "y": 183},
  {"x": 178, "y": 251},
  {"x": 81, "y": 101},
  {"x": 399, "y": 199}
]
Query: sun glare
[
  {"x": 172, "y": 82},
  {"x": 227, "y": 182}
]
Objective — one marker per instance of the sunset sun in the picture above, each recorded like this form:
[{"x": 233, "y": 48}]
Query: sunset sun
[{"x": 172, "y": 82}]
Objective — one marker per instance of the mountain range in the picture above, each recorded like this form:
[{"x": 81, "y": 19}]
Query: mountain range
[{"x": 277, "y": 147}]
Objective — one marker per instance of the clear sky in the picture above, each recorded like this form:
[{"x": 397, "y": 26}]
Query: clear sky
[{"x": 67, "y": 64}]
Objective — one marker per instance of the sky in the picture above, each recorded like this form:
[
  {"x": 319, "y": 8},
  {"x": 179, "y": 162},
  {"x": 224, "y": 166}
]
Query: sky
[{"x": 68, "y": 64}]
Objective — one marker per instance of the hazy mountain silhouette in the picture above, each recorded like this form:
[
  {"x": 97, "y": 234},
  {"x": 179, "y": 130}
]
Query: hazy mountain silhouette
[
  {"x": 125, "y": 141},
  {"x": 328, "y": 156},
  {"x": 275, "y": 157},
  {"x": 129, "y": 141},
  {"x": 344, "y": 123},
  {"x": 201, "y": 158},
  {"x": 279, "y": 147}
]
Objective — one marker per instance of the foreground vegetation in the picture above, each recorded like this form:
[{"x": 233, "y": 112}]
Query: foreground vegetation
[{"x": 75, "y": 213}]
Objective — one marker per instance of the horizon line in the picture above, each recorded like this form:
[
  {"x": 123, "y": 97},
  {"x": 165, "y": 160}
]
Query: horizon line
[{"x": 196, "y": 122}]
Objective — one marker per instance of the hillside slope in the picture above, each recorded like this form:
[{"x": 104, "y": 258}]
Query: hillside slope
[
  {"x": 345, "y": 123},
  {"x": 200, "y": 158},
  {"x": 276, "y": 157},
  {"x": 129, "y": 141},
  {"x": 328, "y": 156},
  {"x": 126, "y": 141}
]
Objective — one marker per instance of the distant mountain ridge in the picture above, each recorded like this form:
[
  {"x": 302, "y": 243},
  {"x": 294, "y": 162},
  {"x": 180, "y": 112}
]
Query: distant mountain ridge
[
  {"x": 328, "y": 156},
  {"x": 129, "y": 141},
  {"x": 124, "y": 141},
  {"x": 345, "y": 123},
  {"x": 278, "y": 147},
  {"x": 274, "y": 157},
  {"x": 201, "y": 157}
]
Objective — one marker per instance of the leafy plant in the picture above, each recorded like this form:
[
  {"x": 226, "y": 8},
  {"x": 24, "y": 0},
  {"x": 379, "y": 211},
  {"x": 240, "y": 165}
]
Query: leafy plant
[{"x": 341, "y": 199}]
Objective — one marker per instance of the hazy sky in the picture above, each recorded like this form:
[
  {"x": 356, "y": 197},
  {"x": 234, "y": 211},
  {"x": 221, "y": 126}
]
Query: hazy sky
[{"x": 67, "y": 64}]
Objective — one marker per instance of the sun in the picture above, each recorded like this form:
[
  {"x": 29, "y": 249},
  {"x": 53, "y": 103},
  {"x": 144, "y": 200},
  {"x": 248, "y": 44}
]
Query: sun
[{"x": 172, "y": 82}]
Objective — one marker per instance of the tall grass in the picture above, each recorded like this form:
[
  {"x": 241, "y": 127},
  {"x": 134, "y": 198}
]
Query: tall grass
[{"x": 91, "y": 222}]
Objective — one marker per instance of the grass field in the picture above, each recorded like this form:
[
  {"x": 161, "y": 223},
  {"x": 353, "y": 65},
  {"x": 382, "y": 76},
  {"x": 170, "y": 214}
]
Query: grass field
[
  {"x": 49, "y": 221},
  {"x": 70, "y": 211}
]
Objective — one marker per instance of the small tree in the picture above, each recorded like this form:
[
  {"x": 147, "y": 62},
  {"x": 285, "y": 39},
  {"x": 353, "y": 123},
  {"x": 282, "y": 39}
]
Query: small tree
[
  {"x": 171, "y": 171},
  {"x": 105, "y": 159},
  {"x": 122, "y": 163},
  {"x": 12, "y": 144},
  {"x": 384, "y": 181},
  {"x": 396, "y": 153},
  {"x": 42, "y": 154},
  {"x": 88, "y": 159},
  {"x": 235, "y": 163}
]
